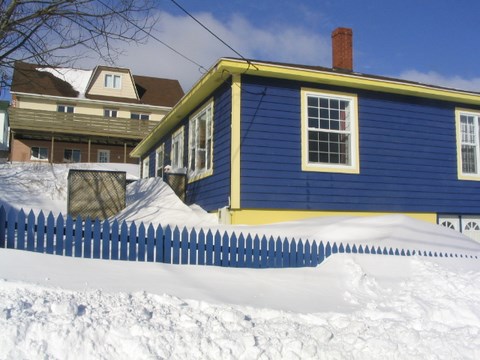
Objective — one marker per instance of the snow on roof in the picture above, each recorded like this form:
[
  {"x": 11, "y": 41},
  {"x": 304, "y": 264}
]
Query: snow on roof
[{"x": 77, "y": 78}]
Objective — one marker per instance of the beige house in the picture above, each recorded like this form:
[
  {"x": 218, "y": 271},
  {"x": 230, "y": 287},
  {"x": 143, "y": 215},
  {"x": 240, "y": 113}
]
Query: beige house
[{"x": 71, "y": 115}]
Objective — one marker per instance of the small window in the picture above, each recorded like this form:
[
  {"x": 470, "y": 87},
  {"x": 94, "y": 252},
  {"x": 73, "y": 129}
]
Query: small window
[
  {"x": 38, "y": 153},
  {"x": 177, "y": 149},
  {"x": 103, "y": 156},
  {"x": 110, "y": 113},
  {"x": 65, "y": 109},
  {"x": 468, "y": 144},
  {"x": 200, "y": 143},
  {"x": 71, "y": 155},
  {"x": 113, "y": 81},
  {"x": 160, "y": 156},
  {"x": 329, "y": 132},
  {"x": 139, "y": 116}
]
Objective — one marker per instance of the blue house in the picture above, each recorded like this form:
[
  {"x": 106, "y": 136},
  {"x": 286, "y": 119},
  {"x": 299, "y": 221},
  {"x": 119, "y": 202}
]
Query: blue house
[{"x": 262, "y": 142}]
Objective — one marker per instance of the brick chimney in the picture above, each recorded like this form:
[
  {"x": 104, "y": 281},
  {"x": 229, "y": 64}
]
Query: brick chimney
[{"x": 342, "y": 49}]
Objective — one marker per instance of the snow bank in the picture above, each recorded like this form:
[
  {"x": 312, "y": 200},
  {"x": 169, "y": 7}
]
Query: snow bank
[
  {"x": 362, "y": 307},
  {"x": 153, "y": 201}
]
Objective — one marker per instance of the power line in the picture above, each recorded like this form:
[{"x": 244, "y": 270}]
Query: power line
[
  {"x": 212, "y": 33},
  {"x": 156, "y": 38}
]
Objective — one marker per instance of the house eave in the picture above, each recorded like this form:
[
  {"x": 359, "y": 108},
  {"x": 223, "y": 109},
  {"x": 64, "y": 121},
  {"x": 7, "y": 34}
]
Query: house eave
[{"x": 225, "y": 68}]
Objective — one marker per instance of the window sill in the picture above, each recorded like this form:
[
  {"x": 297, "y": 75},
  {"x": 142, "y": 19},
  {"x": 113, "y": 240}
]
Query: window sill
[
  {"x": 331, "y": 168},
  {"x": 200, "y": 176}
]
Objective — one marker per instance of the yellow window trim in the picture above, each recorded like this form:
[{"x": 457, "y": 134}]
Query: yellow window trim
[
  {"x": 458, "y": 130},
  {"x": 209, "y": 103},
  {"x": 332, "y": 168}
]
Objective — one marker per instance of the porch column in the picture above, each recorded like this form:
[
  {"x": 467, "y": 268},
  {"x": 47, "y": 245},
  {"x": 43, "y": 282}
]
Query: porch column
[
  {"x": 89, "y": 149},
  {"x": 52, "y": 148},
  {"x": 125, "y": 153}
]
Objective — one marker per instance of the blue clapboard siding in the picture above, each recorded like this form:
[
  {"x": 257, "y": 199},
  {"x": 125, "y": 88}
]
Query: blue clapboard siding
[
  {"x": 93, "y": 239},
  {"x": 408, "y": 156}
]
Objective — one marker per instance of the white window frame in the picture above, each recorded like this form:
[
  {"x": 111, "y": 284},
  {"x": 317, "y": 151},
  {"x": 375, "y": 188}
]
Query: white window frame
[
  {"x": 38, "y": 158},
  {"x": 196, "y": 170},
  {"x": 73, "y": 151},
  {"x": 112, "y": 81},
  {"x": 160, "y": 160},
  {"x": 64, "y": 108},
  {"x": 465, "y": 139},
  {"x": 177, "y": 149},
  {"x": 350, "y": 122},
  {"x": 146, "y": 167},
  {"x": 100, "y": 156},
  {"x": 139, "y": 116},
  {"x": 110, "y": 113}
]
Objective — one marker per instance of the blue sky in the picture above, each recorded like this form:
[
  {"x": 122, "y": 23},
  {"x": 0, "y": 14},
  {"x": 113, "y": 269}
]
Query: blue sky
[
  {"x": 430, "y": 41},
  {"x": 424, "y": 40}
]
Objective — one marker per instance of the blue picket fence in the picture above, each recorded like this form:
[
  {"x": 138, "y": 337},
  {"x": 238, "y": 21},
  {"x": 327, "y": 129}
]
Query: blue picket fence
[{"x": 122, "y": 241}]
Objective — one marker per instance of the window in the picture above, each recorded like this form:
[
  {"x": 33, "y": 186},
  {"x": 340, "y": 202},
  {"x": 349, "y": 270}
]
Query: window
[
  {"x": 71, "y": 155},
  {"x": 110, "y": 113},
  {"x": 65, "y": 108},
  {"x": 139, "y": 116},
  {"x": 468, "y": 147},
  {"x": 113, "y": 81},
  {"x": 103, "y": 156},
  {"x": 329, "y": 132},
  {"x": 160, "y": 155},
  {"x": 38, "y": 153},
  {"x": 200, "y": 144},
  {"x": 177, "y": 149},
  {"x": 146, "y": 167}
]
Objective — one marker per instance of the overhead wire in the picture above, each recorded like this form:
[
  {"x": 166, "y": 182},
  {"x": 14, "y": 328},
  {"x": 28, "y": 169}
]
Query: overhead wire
[
  {"x": 200, "y": 67},
  {"x": 213, "y": 34}
]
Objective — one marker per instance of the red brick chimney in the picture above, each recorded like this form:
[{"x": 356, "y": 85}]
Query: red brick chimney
[{"x": 342, "y": 49}]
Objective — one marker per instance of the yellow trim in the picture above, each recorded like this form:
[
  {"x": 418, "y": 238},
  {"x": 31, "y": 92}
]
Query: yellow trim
[
  {"x": 224, "y": 68},
  {"x": 354, "y": 168},
  {"x": 458, "y": 130},
  {"x": 210, "y": 103},
  {"x": 259, "y": 217},
  {"x": 235, "y": 143}
]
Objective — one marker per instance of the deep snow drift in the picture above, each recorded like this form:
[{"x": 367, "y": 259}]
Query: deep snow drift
[{"x": 350, "y": 307}]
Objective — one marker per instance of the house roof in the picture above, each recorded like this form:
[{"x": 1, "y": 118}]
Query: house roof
[
  {"x": 305, "y": 73},
  {"x": 36, "y": 79}
]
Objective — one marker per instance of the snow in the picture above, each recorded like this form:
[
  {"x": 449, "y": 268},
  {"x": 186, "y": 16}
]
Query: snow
[
  {"x": 353, "y": 306},
  {"x": 77, "y": 78}
]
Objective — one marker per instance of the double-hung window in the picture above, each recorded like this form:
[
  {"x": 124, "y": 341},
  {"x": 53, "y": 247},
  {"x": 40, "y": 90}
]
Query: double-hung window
[
  {"x": 329, "y": 132},
  {"x": 200, "y": 143},
  {"x": 176, "y": 154},
  {"x": 468, "y": 144}
]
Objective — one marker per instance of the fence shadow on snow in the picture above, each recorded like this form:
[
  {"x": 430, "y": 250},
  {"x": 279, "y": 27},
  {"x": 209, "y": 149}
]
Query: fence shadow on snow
[{"x": 120, "y": 241}]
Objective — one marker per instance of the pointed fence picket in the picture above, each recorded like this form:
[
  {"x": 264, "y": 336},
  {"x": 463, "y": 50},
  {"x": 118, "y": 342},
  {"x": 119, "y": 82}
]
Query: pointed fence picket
[{"x": 113, "y": 241}]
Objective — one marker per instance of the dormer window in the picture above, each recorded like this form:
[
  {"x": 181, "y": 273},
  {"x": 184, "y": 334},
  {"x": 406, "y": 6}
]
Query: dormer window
[{"x": 113, "y": 81}]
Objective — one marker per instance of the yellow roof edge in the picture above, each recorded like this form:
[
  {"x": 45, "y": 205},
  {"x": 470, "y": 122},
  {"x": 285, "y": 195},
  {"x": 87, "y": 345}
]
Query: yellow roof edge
[{"x": 225, "y": 67}]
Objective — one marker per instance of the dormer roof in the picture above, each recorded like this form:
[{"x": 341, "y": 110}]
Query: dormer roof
[{"x": 76, "y": 83}]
